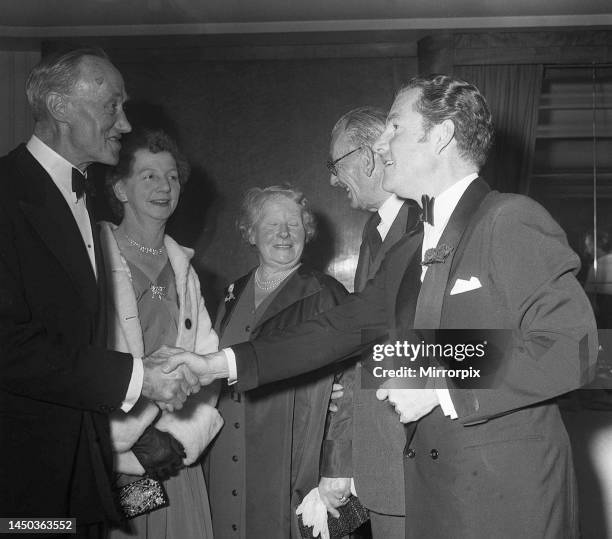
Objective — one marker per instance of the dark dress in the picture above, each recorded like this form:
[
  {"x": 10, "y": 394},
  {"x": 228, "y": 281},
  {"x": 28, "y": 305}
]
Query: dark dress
[{"x": 266, "y": 458}]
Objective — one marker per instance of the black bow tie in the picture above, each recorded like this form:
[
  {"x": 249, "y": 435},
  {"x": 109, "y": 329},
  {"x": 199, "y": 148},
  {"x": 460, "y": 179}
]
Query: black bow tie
[
  {"x": 427, "y": 215},
  {"x": 79, "y": 183}
]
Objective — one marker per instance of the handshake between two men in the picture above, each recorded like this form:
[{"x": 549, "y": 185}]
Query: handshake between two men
[{"x": 172, "y": 374}]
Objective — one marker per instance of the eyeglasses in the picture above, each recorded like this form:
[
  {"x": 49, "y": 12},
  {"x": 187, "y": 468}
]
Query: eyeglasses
[{"x": 331, "y": 165}]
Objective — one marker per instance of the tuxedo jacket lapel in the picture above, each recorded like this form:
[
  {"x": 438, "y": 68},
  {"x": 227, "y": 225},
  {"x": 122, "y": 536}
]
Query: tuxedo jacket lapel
[
  {"x": 404, "y": 223},
  {"x": 435, "y": 283},
  {"x": 45, "y": 208},
  {"x": 100, "y": 334},
  {"x": 403, "y": 255}
]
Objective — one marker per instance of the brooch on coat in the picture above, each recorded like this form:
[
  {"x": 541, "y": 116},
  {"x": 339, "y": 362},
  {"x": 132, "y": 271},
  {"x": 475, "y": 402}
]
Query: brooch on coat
[
  {"x": 230, "y": 293},
  {"x": 436, "y": 255},
  {"x": 158, "y": 292}
]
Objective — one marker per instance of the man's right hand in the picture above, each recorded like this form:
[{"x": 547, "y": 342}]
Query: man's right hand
[
  {"x": 206, "y": 368},
  {"x": 334, "y": 492},
  {"x": 168, "y": 389}
]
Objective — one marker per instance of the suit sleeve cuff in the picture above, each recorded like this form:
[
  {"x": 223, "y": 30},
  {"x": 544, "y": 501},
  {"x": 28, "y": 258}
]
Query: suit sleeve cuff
[
  {"x": 446, "y": 402},
  {"x": 232, "y": 377},
  {"x": 135, "y": 386},
  {"x": 247, "y": 366}
]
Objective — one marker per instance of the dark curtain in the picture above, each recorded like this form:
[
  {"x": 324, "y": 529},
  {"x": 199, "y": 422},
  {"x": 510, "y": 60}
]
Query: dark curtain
[{"x": 513, "y": 94}]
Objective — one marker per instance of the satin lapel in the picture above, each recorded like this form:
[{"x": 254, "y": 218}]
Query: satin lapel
[
  {"x": 433, "y": 288},
  {"x": 101, "y": 322},
  {"x": 295, "y": 289},
  {"x": 399, "y": 257},
  {"x": 397, "y": 230},
  {"x": 49, "y": 215},
  {"x": 239, "y": 287}
]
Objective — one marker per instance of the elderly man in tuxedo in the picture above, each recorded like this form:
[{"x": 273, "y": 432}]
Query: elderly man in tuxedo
[
  {"x": 58, "y": 382},
  {"x": 365, "y": 440},
  {"x": 481, "y": 462}
]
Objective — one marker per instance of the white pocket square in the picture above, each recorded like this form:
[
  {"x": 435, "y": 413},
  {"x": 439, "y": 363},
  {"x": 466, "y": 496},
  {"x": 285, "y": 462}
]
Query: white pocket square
[{"x": 462, "y": 285}]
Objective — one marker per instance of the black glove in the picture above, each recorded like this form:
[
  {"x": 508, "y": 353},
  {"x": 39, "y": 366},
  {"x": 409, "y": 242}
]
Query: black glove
[{"x": 159, "y": 453}]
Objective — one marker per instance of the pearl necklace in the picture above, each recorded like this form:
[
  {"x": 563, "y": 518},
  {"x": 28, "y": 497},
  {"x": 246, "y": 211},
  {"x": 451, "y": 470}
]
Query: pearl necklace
[
  {"x": 270, "y": 284},
  {"x": 143, "y": 248}
]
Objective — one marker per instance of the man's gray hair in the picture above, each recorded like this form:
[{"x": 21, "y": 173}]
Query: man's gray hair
[
  {"x": 362, "y": 125},
  {"x": 56, "y": 73}
]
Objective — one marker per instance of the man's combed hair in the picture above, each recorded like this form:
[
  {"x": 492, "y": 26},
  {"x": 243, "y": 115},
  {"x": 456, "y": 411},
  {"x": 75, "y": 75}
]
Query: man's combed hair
[
  {"x": 362, "y": 126},
  {"x": 56, "y": 73},
  {"x": 251, "y": 209},
  {"x": 153, "y": 140},
  {"x": 448, "y": 98}
]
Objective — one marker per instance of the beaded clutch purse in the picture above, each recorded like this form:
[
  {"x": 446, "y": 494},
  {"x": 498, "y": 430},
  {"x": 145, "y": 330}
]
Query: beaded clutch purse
[
  {"x": 142, "y": 496},
  {"x": 352, "y": 515}
]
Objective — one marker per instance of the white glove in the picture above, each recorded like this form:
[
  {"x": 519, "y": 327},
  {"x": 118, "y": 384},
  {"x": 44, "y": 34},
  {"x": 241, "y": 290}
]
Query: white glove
[{"x": 314, "y": 513}]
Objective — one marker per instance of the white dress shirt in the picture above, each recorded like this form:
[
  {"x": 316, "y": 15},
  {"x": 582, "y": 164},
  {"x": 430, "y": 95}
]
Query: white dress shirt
[
  {"x": 444, "y": 206},
  {"x": 60, "y": 171},
  {"x": 388, "y": 212}
]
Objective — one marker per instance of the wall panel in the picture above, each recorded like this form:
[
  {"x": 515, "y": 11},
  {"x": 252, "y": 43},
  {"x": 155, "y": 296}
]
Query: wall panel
[{"x": 15, "y": 119}]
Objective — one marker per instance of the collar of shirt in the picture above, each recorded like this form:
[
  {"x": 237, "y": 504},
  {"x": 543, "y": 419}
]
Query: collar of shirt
[
  {"x": 444, "y": 206},
  {"x": 388, "y": 212},
  {"x": 56, "y": 166}
]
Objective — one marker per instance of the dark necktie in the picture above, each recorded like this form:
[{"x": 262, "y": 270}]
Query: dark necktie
[
  {"x": 428, "y": 209},
  {"x": 373, "y": 236},
  {"x": 78, "y": 183}
]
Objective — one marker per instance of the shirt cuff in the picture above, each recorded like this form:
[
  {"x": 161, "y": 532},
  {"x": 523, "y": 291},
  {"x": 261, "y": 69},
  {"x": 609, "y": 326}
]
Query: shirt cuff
[
  {"x": 446, "y": 403},
  {"x": 232, "y": 370},
  {"x": 135, "y": 387},
  {"x": 353, "y": 490}
]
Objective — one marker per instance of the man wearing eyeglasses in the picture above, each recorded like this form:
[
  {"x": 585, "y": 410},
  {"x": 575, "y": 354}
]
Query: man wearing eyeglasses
[{"x": 370, "y": 451}]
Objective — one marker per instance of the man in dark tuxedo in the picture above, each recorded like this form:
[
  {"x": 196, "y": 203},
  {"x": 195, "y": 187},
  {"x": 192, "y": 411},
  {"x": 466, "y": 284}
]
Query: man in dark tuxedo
[
  {"x": 481, "y": 462},
  {"x": 365, "y": 440},
  {"x": 58, "y": 382}
]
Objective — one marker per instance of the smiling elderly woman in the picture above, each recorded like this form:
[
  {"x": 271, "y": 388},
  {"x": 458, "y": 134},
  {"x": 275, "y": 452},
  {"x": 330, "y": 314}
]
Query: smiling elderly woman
[{"x": 267, "y": 457}]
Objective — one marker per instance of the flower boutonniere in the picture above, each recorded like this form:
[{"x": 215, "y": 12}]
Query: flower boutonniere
[
  {"x": 230, "y": 293},
  {"x": 436, "y": 255}
]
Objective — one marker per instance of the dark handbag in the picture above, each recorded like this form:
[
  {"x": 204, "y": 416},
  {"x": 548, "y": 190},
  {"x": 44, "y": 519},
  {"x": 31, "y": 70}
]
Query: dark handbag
[
  {"x": 352, "y": 515},
  {"x": 142, "y": 496}
]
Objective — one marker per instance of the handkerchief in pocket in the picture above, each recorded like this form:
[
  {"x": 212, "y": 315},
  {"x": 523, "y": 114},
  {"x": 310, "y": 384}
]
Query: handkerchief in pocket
[{"x": 461, "y": 285}]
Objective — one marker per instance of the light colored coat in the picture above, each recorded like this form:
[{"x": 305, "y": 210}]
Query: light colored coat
[{"x": 196, "y": 424}]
